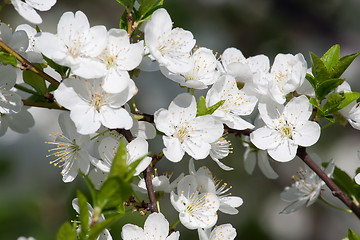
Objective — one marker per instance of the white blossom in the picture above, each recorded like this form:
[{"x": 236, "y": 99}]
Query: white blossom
[
  {"x": 203, "y": 70},
  {"x": 118, "y": 58},
  {"x": 286, "y": 128},
  {"x": 90, "y": 106},
  {"x": 156, "y": 227},
  {"x": 20, "y": 122},
  {"x": 27, "y": 9},
  {"x": 70, "y": 150},
  {"x": 306, "y": 188},
  {"x": 75, "y": 45},
  {"x": 196, "y": 210},
  {"x": 170, "y": 47},
  {"x": 237, "y": 103},
  {"x": 228, "y": 203},
  {"x": 10, "y": 102},
  {"x": 221, "y": 232},
  {"x": 184, "y": 132},
  {"x": 161, "y": 183},
  {"x": 219, "y": 150}
]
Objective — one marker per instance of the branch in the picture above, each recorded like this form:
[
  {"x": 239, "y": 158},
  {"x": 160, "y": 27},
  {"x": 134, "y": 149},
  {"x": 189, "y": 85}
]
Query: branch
[
  {"x": 28, "y": 65},
  {"x": 336, "y": 191},
  {"x": 49, "y": 105}
]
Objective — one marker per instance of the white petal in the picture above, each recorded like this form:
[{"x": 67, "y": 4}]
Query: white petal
[
  {"x": 156, "y": 226},
  {"x": 173, "y": 149},
  {"x": 115, "y": 118},
  {"x": 26, "y": 11},
  {"x": 284, "y": 152},
  {"x": 307, "y": 133},
  {"x": 265, "y": 166},
  {"x": 41, "y": 5},
  {"x": 224, "y": 231},
  {"x": 131, "y": 231},
  {"x": 264, "y": 138}
]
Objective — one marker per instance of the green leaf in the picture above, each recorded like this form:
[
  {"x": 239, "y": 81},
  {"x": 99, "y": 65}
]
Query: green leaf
[
  {"x": 201, "y": 106},
  {"x": 98, "y": 228},
  {"x": 314, "y": 102},
  {"x": 123, "y": 21},
  {"x": 148, "y": 6},
  {"x": 311, "y": 79},
  {"x": 132, "y": 168},
  {"x": 332, "y": 103},
  {"x": 7, "y": 58},
  {"x": 119, "y": 165},
  {"x": 126, "y": 3},
  {"x": 352, "y": 235},
  {"x": 327, "y": 86},
  {"x": 319, "y": 69},
  {"x": 84, "y": 213},
  {"x": 66, "y": 232},
  {"x": 349, "y": 98},
  {"x": 213, "y": 108},
  {"x": 345, "y": 183},
  {"x": 342, "y": 65},
  {"x": 34, "y": 80},
  {"x": 331, "y": 57},
  {"x": 62, "y": 70},
  {"x": 113, "y": 193}
]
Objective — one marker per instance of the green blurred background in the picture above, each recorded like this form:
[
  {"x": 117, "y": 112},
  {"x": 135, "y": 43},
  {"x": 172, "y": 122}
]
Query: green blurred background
[{"x": 35, "y": 202}]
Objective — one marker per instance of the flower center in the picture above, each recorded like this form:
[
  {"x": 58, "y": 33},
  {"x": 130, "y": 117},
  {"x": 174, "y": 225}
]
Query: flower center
[
  {"x": 285, "y": 129},
  {"x": 97, "y": 100}
]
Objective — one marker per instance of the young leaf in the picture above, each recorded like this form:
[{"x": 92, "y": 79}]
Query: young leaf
[
  {"x": 90, "y": 185},
  {"x": 34, "y": 80},
  {"x": 62, "y": 70},
  {"x": 332, "y": 103},
  {"x": 327, "y": 86},
  {"x": 311, "y": 79},
  {"x": 345, "y": 182},
  {"x": 84, "y": 213},
  {"x": 126, "y": 3},
  {"x": 201, "y": 106},
  {"x": 123, "y": 21},
  {"x": 342, "y": 65},
  {"x": 7, "y": 58},
  {"x": 113, "y": 193},
  {"x": 349, "y": 98},
  {"x": 119, "y": 165},
  {"x": 352, "y": 235},
  {"x": 66, "y": 232},
  {"x": 319, "y": 70},
  {"x": 213, "y": 108},
  {"x": 331, "y": 57},
  {"x": 145, "y": 6}
]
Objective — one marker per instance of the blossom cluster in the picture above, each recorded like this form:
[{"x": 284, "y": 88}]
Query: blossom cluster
[{"x": 99, "y": 80}]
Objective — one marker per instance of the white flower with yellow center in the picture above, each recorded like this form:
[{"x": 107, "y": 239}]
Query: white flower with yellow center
[
  {"x": 75, "y": 45},
  {"x": 90, "y": 106},
  {"x": 222, "y": 232},
  {"x": 196, "y": 209},
  {"x": 156, "y": 227},
  {"x": 170, "y": 47},
  {"x": 202, "y": 73},
  {"x": 69, "y": 150},
  {"x": 286, "y": 128},
  {"x": 184, "y": 132},
  {"x": 118, "y": 58},
  {"x": 237, "y": 103}
]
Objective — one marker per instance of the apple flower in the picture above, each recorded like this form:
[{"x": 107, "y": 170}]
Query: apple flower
[
  {"x": 90, "y": 106},
  {"x": 10, "y": 102},
  {"x": 184, "y": 132},
  {"x": 286, "y": 128},
  {"x": 70, "y": 150},
  {"x": 156, "y": 227},
  {"x": 170, "y": 47}
]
